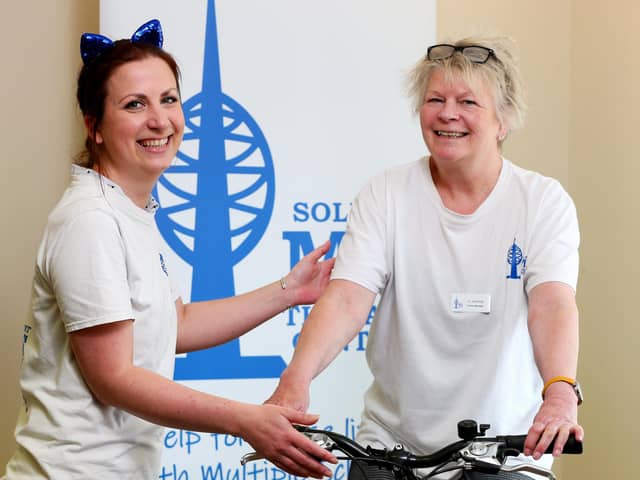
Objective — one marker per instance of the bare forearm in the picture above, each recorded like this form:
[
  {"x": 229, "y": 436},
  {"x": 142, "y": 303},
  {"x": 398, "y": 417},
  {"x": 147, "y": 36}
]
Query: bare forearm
[
  {"x": 553, "y": 326},
  {"x": 205, "y": 324},
  {"x": 267, "y": 429},
  {"x": 159, "y": 400},
  {"x": 210, "y": 323},
  {"x": 104, "y": 355},
  {"x": 333, "y": 322}
]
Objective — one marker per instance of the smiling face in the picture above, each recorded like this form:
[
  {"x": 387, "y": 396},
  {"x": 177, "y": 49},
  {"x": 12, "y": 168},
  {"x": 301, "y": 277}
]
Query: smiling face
[
  {"x": 459, "y": 123},
  {"x": 143, "y": 122}
]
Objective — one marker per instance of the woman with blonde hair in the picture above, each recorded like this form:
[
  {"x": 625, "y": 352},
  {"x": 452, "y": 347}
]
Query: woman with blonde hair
[{"x": 476, "y": 263}]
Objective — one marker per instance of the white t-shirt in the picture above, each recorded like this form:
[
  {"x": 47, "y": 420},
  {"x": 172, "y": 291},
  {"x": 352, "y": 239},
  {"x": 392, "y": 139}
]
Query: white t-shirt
[
  {"x": 449, "y": 340},
  {"x": 100, "y": 261}
]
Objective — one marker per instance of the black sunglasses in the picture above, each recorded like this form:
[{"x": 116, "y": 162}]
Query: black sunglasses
[{"x": 475, "y": 53}]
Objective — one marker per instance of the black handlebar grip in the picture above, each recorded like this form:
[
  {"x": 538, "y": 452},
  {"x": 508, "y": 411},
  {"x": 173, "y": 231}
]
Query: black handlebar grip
[{"x": 516, "y": 442}]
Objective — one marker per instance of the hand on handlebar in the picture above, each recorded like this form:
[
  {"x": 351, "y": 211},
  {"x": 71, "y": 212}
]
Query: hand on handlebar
[
  {"x": 269, "y": 430},
  {"x": 557, "y": 418},
  {"x": 474, "y": 452}
]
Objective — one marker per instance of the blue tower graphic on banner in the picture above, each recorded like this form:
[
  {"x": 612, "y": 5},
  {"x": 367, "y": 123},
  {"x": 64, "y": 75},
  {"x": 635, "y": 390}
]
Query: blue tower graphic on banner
[{"x": 214, "y": 226}]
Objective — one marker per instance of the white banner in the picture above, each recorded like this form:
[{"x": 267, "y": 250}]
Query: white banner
[{"x": 290, "y": 106}]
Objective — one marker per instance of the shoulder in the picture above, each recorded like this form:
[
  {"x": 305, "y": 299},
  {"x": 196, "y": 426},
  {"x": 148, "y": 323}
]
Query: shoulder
[
  {"x": 78, "y": 221},
  {"x": 89, "y": 224},
  {"x": 75, "y": 240},
  {"x": 537, "y": 187},
  {"x": 532, "y": 179},
  {"x": 406, "y": 170},
  {"x": 80, "y": 204},
  {"x": 391, "y": 185},
  {"x": 399, "y": 176}
]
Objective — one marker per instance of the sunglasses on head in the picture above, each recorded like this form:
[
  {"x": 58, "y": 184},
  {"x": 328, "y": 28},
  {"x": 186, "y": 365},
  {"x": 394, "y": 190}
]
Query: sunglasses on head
[{"x": 475, "y": 53}]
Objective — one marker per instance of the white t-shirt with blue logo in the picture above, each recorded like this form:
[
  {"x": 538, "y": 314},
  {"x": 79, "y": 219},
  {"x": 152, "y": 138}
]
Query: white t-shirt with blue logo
[
  {"x": 449, "y": 340},
  {"x": 100, "y": 261}
]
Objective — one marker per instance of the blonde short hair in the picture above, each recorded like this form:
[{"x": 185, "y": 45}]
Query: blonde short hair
[{"x": 500, "y": 72}]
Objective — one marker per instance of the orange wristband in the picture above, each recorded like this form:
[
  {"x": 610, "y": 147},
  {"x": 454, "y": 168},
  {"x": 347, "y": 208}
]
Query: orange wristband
[{"x": 571, "y": 381}]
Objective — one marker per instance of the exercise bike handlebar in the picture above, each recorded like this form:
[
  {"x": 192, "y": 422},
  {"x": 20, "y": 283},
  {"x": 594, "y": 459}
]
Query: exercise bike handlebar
[{"x": 473, "y": 452}]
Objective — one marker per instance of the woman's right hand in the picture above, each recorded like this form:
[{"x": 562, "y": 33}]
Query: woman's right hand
[{"x": 269, "y": 430}]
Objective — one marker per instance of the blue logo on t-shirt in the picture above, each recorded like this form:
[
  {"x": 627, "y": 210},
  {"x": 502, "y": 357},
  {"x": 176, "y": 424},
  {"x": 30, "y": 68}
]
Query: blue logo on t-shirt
[
  {"x": 162, "y": 265},
  {"x": 516, "y": 258}
]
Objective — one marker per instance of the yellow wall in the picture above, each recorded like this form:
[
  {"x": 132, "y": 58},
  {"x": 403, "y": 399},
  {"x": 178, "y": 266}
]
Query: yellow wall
[{"x": 579, "y": 62}]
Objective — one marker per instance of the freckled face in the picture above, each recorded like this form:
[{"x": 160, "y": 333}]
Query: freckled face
[
  {"x": 143, "y": 122},
  {"x": 459, "y": 123}
]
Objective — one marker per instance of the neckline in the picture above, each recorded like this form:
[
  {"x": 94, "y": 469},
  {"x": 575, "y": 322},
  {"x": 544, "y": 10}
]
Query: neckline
[
  {"x": 486, "y": 205},
  {"x": 115, "y": 195}
]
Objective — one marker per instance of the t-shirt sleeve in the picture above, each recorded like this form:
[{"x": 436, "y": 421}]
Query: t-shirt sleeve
[
  {"x": 362, "y": 254},
  {"x": 88, "y": 273},
  {"x": 553, "y": 253}
]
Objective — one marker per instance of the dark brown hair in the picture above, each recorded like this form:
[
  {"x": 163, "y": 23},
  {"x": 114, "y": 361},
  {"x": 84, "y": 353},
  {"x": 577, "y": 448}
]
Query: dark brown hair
[{"x": 92, "y": 85}]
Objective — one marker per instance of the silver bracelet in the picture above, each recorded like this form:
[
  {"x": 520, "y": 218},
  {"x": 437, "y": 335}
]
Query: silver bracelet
[{"x": 283, "y": 284}]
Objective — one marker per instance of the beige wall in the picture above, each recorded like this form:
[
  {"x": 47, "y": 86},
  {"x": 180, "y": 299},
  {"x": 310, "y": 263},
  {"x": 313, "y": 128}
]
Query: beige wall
[
  {"x": 40, "y": 132},
  {"x": 604, "y": 171},
  {"x": 543, "y": 143},
  {"x": 580, "y": 129}
]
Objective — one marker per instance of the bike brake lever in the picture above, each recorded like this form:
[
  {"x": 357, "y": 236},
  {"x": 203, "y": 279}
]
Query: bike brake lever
[
  {"x": 483, "y": 457},
  {"x": 531, "y": 468},
  {"x": 250, "y": 457}
]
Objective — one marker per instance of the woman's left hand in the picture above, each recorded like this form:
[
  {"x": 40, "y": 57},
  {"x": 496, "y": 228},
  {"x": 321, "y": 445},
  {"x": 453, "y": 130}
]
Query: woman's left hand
[
  {"x": 309, "y": 277},
  {"x": 556, "y": 419}
]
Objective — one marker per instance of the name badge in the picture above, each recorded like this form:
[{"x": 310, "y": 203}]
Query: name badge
[{"x": 470, "y": 303}]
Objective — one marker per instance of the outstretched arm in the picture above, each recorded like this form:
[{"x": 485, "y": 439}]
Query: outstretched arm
[
  {"x": 206, "y": 324},
  {"x": 553, "y": 326},
  {"x": 334, "y": 320},
  {"x": 105, "y": 357}
]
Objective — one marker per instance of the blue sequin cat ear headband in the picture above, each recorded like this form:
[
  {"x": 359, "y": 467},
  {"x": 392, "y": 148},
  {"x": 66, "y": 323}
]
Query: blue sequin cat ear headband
[{"x": 92, "y": 45}]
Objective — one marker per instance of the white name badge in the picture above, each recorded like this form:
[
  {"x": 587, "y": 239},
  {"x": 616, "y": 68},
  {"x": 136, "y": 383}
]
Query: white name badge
[{"x": 470, "y": 303}]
